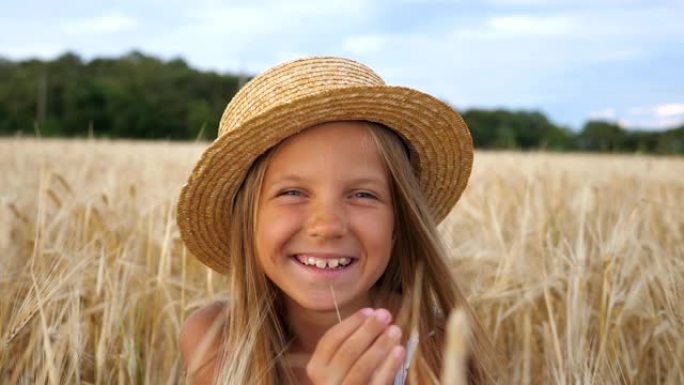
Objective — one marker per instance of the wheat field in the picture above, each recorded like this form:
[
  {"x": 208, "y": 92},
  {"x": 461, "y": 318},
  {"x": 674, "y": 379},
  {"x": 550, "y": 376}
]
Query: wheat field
[{"x": 573, "y": 262}]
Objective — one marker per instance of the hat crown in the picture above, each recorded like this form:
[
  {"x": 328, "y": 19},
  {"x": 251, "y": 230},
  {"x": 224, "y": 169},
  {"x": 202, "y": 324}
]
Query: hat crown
[
  {"x": 293, "y": 96},
  {"x": 291, "y": 81}
]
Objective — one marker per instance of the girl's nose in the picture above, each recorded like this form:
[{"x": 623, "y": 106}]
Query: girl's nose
[{"x": 327, "y": 221}]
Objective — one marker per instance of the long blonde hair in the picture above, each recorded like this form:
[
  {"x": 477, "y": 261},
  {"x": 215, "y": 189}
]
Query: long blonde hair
[
  {"x": 419, "y": 271},
  {"x": 256, "y": 336}
]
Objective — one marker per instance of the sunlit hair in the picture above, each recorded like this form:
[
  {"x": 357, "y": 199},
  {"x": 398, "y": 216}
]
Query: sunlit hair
[
  {"x": 256, "y": 336},
  {"x": 418, "y": 270}
]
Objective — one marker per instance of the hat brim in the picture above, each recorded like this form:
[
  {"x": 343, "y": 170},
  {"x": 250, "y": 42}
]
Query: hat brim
[{"x": 436, "y": 133}]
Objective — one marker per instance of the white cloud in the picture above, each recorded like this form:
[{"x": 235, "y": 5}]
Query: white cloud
[
  {"x": 670, "y": 110},
  {"x": 108, "y": 23},
  {"x": 660, "y": 116},
  {"x": 606, "y": 113},
  {"x": 665, "y": 110}
]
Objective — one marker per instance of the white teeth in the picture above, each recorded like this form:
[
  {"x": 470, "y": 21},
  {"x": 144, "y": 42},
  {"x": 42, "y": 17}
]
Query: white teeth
[{"x": 323, "y": 263}]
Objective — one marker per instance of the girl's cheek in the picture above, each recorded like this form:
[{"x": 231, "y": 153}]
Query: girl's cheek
[
  {"x": 277, "y": 223},
  {"x": 377, "y": 225}
]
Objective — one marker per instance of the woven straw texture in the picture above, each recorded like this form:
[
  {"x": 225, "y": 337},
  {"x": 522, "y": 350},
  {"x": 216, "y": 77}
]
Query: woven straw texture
[{"x": 299, "y": 94}]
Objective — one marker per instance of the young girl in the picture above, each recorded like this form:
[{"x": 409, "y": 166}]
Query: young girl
[{"x": 319, "y": 199}]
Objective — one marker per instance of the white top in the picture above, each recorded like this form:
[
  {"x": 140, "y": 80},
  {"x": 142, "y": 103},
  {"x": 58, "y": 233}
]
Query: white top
[{"x": 411, "y": 344}]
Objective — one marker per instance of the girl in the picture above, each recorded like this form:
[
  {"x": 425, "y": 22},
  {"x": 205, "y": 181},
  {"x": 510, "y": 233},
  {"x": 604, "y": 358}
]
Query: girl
[{"x": 319, "y": 199}]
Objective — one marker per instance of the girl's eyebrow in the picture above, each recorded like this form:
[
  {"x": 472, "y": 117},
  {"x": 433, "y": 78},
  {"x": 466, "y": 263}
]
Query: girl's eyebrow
[{"x": 288, "y": 178}]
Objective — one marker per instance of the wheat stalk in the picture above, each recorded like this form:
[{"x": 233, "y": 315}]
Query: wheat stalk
[
  {"x": 454, "y": 367},
  {"x": 572, "y": 262}
]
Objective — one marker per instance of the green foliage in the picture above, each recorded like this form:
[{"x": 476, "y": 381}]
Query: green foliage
[
  {"x": 522, "y": 129},
  {"x": 600, "y": 135},
  {"x": 134, "y": 96},
  {"x": 139, "y": 96},
  {"x": 608, "y": 136}
]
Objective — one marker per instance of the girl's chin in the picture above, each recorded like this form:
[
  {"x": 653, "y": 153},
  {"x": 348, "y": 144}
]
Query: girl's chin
[
  {"x": 327, "y": 305},
  {"x": 314, "y": 305}
]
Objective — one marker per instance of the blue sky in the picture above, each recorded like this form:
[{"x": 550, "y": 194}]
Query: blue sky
[{"x": 571, "y": 59}]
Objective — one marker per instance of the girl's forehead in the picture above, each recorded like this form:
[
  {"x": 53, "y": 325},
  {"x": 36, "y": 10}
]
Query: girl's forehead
[
  {"x": 330, "y": 147},
  {"x": 325, "y": 136},
  {"x": 332, "y": 131}
]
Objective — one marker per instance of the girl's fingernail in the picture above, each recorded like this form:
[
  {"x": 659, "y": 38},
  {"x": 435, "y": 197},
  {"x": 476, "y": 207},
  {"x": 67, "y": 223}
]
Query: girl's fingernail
[
  {"x": 394, "y": 331},
  {"x": 382, "y": 315},
  {"x": 398, "y": 351},
  {"x": 367, "y": 312}
]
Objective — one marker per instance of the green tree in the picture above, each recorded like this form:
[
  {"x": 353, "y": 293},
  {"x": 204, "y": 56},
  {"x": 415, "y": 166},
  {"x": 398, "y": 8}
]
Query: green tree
[
  {"x": 133, "y": 96},
  {"x": 602, "y": 136},
  {"x": 140, "y": 96},
  {"x": 515, "y": 129}
]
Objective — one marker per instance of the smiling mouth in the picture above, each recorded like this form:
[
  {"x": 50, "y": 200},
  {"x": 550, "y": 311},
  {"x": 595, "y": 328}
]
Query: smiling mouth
[{"x": 325, "y": 263}]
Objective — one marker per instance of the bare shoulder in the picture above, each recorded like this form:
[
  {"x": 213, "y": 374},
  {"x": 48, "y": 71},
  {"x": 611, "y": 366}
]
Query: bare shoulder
[{"x": 200, "y": 338}]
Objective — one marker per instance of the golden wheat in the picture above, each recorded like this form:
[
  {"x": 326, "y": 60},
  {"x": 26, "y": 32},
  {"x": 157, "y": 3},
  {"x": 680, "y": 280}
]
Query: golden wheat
[{"x": 574, "y": 263}]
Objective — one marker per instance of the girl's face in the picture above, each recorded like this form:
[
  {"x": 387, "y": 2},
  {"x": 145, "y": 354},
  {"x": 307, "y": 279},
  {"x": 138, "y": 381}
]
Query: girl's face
[{"x": 325, "y": 217}]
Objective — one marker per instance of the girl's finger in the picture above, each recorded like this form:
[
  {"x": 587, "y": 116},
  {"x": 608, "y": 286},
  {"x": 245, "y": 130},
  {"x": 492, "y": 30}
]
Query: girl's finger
[
  {"x": 336, "y": 335},
  {"x": 359, "y": 342},
  {"x": 373, "y": 358},
  {"x": 318, "y": 368},
  {"x": 386, "y": 373}
]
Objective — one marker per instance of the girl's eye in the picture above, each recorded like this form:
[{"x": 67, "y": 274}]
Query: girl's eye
[
  {"x": 290, "y": 193},
  {"x": 364, "y": 195}
]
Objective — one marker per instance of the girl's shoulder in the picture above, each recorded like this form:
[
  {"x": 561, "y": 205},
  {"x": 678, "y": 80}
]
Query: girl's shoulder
[{"x": 200, "y": 338}]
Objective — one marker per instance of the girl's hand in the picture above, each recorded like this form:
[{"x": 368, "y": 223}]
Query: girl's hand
[{"x": 362, "y": 349}]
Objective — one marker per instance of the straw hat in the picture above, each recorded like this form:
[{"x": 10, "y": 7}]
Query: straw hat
[{"x": 299, "y": 94}]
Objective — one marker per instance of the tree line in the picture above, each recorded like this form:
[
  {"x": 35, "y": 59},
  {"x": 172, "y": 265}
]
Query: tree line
[{"x": 143, "y": 97}]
